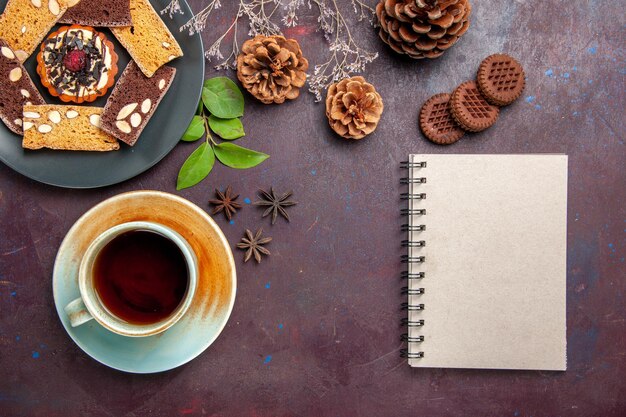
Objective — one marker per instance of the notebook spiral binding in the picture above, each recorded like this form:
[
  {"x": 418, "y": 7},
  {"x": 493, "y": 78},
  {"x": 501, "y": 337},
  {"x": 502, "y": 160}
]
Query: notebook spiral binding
[{"x": 412, "y": 198}]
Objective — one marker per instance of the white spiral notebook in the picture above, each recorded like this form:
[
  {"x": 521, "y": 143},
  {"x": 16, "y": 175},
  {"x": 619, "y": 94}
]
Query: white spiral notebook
[{"x": 486, "y": 261}]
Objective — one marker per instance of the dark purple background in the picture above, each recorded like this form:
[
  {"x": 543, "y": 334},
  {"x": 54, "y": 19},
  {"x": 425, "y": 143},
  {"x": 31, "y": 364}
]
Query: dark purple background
[{"x": 314, "y": 331}]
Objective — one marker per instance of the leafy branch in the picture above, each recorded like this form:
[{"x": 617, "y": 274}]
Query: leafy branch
[{"x": 219, "y": 111}]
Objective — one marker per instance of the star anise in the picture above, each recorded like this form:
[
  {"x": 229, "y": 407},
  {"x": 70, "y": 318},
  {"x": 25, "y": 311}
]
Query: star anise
[
  {"x": 274, "y": 203},
  {"x": 253, "y": 245},
  {"x": 225, "y": 202}
]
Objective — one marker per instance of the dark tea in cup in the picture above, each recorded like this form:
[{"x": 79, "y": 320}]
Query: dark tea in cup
[{"x": 141, "y": 276}]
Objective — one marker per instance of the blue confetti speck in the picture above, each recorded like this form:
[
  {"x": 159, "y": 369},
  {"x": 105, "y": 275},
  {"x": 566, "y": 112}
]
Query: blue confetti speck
[
  {"x": 267, "y": 285},
  {"x": 530, "y": 99},
  {"x": 610, "y": 245},
  {"x": 313, "y": 172},
  {"x": 592, "y": 50},
  {"x": 280, "y": 325},
  {"x": 13, "y": 293},
  {"x": 549, "y": 72},
  {"x": 17, "y": 338},
  {"x": 35, "y": 355},
  {"x": 575, "y": 114},
  {"x": 575, "y": 69},
  {"x": 232, "y": 222},
  {"x": 566, "y": 75},
  {"x": 537, "y": 107},
  {"x": 267, "y": 359},
  {"x": 590, "y": 81},
  {"x": 246, "y": 200},
  {"x": 516, "y": 413}
]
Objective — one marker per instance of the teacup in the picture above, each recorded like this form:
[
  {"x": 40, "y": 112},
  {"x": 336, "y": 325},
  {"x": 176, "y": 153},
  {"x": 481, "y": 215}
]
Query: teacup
[{"x": 135, "y": 279}]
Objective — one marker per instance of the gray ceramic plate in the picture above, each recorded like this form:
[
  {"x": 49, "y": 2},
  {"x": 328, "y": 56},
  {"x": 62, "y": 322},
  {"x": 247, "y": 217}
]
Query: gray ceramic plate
[{"x": 97, "y": 169}]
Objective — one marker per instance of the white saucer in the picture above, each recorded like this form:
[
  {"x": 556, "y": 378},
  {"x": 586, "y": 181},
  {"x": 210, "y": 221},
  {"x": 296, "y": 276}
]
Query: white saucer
[{"x": 210, "y": 309}]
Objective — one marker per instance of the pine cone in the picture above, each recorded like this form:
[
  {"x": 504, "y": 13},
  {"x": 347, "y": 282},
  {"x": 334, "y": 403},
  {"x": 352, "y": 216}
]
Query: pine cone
[
  {"x": 422, "y": 28},
  {"x": 353, "y": 107},
  {"x": 272, "y": 68}
]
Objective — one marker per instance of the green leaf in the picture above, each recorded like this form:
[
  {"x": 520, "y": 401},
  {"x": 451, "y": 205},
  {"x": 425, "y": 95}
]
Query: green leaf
[
  {"x": 238, "y": 157},
  {"x": 195, "y": 129},
  {"x": 222, "y": 98},
  {"x": 196, "y": 167},
  {"x": 228, "y": 129}
]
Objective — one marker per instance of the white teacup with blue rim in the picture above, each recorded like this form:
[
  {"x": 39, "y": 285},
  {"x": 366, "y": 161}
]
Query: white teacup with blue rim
[{"x": 136, "y": 279}]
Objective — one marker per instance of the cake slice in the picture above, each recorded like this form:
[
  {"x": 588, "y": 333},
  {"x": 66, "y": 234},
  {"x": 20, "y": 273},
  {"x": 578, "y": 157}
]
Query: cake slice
[
  {"x": 25, "y": 23},
  {"x": 149, "y": 42},
  {"x": 133, "y": 101},
  {"x": 104, "y": 13},
  {"x": 72, "y": 128},
  {"x": 16, "y": 89}
]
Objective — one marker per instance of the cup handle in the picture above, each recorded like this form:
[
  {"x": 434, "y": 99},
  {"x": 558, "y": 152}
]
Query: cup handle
[{"x": 77, "y": 312}]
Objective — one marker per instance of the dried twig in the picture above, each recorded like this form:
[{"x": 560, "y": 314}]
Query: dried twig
[
  {"x": 346, "y": 56},
  {"x": 172, "y": 8}
]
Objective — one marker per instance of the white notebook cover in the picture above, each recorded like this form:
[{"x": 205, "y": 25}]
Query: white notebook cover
[{"x": 495, "y": 261}]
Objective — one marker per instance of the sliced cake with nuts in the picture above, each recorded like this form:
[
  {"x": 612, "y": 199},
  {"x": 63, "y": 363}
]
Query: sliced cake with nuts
[
  {"x": 72, "y": 128},
  {"x": 25, "y": 23},
  {"x": 16, "y": 89},
  {"x": 102, "y": 13},
  {"x": 134, "y": 100},
  {"x": 148, "y": 41}
]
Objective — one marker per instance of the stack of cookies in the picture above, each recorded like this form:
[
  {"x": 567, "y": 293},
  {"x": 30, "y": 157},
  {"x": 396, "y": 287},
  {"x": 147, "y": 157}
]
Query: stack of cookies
[
  {"x": 474, "y": 105},
  {"x": 77, "y": 64}
]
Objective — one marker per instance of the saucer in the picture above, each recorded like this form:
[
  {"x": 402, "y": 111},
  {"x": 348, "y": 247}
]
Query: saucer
[{"x": 211, "y": 306}]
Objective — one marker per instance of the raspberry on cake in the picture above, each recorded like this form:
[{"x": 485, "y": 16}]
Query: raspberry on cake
[{"x": 77, "y": 64}]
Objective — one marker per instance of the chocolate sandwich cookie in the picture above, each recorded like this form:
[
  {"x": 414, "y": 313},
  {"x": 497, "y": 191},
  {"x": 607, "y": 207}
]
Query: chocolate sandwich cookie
[
  {"x": 436, "y": 122},
  {"x": 501, "y": 79},
  {"x": 470, "y": 109}
]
